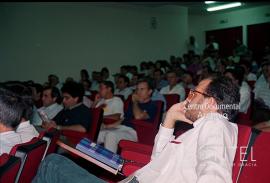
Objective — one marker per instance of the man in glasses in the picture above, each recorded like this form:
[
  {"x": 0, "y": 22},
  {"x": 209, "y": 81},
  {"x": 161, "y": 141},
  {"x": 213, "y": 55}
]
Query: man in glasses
[{"x": 203, "y": 154}]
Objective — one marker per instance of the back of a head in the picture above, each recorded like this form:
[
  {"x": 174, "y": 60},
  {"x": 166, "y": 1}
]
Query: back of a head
[
  {"x": 74, "y": 89},
  {"x": 226, "y": 94},
  {"x": 25, "y": 92},
  {"x": 11, "y": 108}
]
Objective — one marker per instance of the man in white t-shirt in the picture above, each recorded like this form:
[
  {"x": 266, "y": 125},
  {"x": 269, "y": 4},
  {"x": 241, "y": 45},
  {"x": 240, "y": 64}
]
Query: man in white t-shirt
[
  {"x": 113, "y": 115},
  {"x": 173, "y": 87}
]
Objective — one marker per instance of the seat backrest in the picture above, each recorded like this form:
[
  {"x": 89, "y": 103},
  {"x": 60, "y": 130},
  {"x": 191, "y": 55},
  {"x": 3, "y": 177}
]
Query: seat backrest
[
  {"x": 31, "y": 154},
  {"x": 51, "y": 136},
  {"x": 9, "y": 168},
  {"x": 97, "y": 118},
  {"x": 244, "y": 133},
  {"x": 146, "y": 131},
  {"x": 126, "y": 103},
  {"x": 171, "y": 99},
  {"x": 256, "y": 168}
]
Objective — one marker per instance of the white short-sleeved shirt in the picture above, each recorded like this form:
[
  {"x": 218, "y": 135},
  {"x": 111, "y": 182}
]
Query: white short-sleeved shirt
[
  {"x": 177, "y": 89},
  {"x": 125, "y": 92},
  {"x": 26, "y": 131},
  {"x": 244, "y": 97},
  {"x": 8, "y": 140},
  {"x": 114, "y": 105}
]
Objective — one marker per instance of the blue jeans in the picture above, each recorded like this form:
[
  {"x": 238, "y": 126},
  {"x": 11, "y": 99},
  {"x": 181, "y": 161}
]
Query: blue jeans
[{"x": 59, "y": 169}]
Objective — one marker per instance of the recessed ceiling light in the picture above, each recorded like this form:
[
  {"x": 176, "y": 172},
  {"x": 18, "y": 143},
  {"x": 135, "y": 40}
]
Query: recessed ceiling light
[{"x": 225, "y": 6}]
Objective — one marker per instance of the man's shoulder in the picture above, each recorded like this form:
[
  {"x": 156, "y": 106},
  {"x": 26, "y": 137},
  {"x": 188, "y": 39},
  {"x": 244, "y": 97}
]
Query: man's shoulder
[{"x": 218, "y": 123}]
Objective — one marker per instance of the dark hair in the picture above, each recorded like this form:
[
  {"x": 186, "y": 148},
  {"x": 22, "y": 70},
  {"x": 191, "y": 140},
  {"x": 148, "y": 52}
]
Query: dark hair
[
  {"x": 225, "y": 93},
  {"x": 85, "y": 72},
  {"x": 172, "y": 71},
  {"x": 147, "y": 80},
  {"x": 11, "y": 108},
  {"x": 104, "y": 69},
  {"x": 108, "y": 84},
  {"x": 74, "y": 89},
  {"x": 55, "y": 93},
  {"x": 126, "y": 79},
  {"x": 238, "y": 73},
  {"x": 25, "y": 92},
  {"x": 159, "y": 70},
  {"x": 38, "y": 87}
]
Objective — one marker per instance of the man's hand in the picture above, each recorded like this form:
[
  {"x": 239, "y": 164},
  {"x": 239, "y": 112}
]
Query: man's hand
[
  {"x": 48, "y": 125},
  {"x": 176, "y": 113},
  {"x": 135, "y": 97}
]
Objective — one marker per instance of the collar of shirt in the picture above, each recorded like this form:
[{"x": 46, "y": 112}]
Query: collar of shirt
[
  {"x": 24, "y": 124},
  {"x": 52, "y": 106},
  {"x": 72, "y": 107},
  {"x": 211, "y": 115}
]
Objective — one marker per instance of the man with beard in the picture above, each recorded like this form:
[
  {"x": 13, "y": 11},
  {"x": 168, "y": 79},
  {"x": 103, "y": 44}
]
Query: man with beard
[{"x": 203, "y": 154}]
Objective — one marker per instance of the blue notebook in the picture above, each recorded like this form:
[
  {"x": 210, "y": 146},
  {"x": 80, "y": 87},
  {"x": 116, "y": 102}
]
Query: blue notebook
[{"x": 100, "y": 153}]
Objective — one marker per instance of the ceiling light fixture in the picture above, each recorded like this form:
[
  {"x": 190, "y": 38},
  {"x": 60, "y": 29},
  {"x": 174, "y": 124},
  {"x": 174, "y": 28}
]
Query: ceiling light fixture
[
  {"x": 225, "y": 6},
  {"x": 209, "y": 2}
]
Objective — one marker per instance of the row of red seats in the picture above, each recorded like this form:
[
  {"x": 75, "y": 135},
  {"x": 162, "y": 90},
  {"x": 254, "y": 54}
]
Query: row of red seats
[{"x": 22, "y": 163}]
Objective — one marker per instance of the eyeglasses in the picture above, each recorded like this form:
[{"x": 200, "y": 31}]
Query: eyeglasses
[{"x": 192, "y": 94}]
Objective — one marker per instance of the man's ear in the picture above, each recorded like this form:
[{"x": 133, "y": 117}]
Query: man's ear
[
  {"x": 76, "y": 99},
  {"x": 213, "y": 103},
  {"x": 54, "y": 99},
  {"x": 150, "y": 91}
]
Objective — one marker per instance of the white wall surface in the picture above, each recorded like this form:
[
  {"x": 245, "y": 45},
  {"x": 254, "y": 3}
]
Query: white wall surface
[
  {"x": 199, "y": 24},
  {"x": 38, "y": 39}
]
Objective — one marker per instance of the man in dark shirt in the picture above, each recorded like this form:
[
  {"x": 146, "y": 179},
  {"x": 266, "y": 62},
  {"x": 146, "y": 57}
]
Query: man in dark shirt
[
  {"x": 141, "y": 106},
  {"x": 75, "y": 116}
]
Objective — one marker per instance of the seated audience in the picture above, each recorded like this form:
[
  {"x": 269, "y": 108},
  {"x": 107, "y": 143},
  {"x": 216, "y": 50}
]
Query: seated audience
[
  {"x": 237, "y": 76},
  {"x": 87, "y": 93},
  {"x": 187, "y": 80},
  {"x": 75, "y": 115},
  {"x": 249, "y": 76},
  {"x": 122, "y": 88},
  {"x": 51, "y": 99},
  {"x": 262, "y": 95},
  {"x": 25, "y": 129},
  {"x": 205, "y": 153},
  {"x": 159, "y": 82},
  {"x": 113, "y": 111},
  {"x": 84, "y": 75},
  {"x": 173, "y": 87},
  {"x": 96, "y": 79},
  {"x": 53, "y": 81},
  {"x": 11, "y": 112},
  {"x": 262, "y": 89}
]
